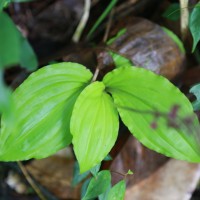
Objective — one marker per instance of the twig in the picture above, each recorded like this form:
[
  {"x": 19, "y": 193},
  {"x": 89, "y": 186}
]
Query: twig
[
  {"x": 119, "y": 173},
  {"x": 108, "y": 26},
  {"x": 96, "y": 73},
  {"x": 100, "y": 65},
  {"x": 184, "y": 18},
  {"x": 83, "y": 21},
  {"x": 30, "y": 181}
]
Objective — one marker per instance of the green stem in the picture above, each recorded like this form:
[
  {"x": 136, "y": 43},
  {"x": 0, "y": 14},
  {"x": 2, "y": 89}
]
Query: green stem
[
  {"x": 83, "y": 21},
  {"x": 101, "y": 18}
]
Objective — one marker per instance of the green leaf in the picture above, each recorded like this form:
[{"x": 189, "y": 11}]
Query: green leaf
[
  {"x": 94, "y": 171},
  {"x": 130, "y": 172},
  {"x": 14, "y": 48},
  {"x": 143, "y": 98},
  {"x": 172, "y": 12},
  {"x": 119, "y": 34},
  {"x": 98, "y": 185},
  {"x": 194, "y": 25},
  {"x": 107, "y": 158},
  {"x": 77, "y": 177},
  {"x": 120, "y": 61},
  {"x": 117, "y": 192},
  {"x": 196, "y": 91},
  {"x": 104, "y": 196},
  {"x": 85, "y": 187},
  {"x": 94, "y": 126},
  {"x": 9, "y": 40},
  {"x": 4, "y": 4},
  {"x": 175, "y": 38},
  {"x": 43, "y": 106},
  {"x": 28, "y": 58},
  {"x": 6, "y": 105}
]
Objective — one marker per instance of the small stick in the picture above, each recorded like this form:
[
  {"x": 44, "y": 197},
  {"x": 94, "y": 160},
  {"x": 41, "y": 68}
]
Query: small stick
[
  {"x": 96, "y": 73},
  {"x": 108, "y": 26},
  {"x": 184, "y": 18},
  {"x": 30, "y": 181},
  {"x": 83, "y": 21}
]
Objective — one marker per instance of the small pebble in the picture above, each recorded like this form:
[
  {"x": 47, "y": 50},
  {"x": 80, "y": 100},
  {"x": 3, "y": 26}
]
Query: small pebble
[{"x": 14, "y": 182}]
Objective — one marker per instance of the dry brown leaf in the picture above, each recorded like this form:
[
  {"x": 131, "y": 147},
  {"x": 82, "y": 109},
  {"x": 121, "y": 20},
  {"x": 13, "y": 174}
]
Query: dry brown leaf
[{"x": 176, "y": 180}]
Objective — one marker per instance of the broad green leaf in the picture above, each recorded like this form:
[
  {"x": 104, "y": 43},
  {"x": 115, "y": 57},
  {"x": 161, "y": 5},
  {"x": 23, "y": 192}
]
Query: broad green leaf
[
  {"x": 9, "y": 42},
  {"x": 98, "y": 185},
  {"x": 94, "y": 126},
  {"x": 117, "y": 192},
  {"x": 43, "y": 106},
  {"x": 196, "y": 91},
  {"x": 175, "y": 38},
  {"x": 194, "y": 25},
  {"x": 172, "y": 12},
  {"x": 14, "y": 48},
  {"x": 143, "y": 98}
]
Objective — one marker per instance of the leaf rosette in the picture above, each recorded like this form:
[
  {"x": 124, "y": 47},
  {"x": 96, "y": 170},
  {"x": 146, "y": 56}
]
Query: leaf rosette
[{"x": 58, "y": 105}]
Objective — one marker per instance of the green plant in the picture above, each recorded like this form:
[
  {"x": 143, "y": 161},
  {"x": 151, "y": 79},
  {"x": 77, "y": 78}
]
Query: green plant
[
  {"x": 14, "y": 49},
  {"x": 102, "y": 17},
  {"x": 63, "y": 103},
  {"x": 173, "y": 13},
  {"x": 59, "y": 104},
  {"x": 194, "y": 25},
  {"x": 196, "y": 91}
]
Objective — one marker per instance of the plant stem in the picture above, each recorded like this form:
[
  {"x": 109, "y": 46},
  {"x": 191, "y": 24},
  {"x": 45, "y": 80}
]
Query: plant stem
[
  {"x": 108, "y": 26},
  {"x": 101, "y": 18},
  {"x": 184, "y": 18},
  {"x": 96, "y": 73},
  {"x": 83, "y": 21},
  {"x": 30, "y": 181},
  {"x": 118, "y": 173}
]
